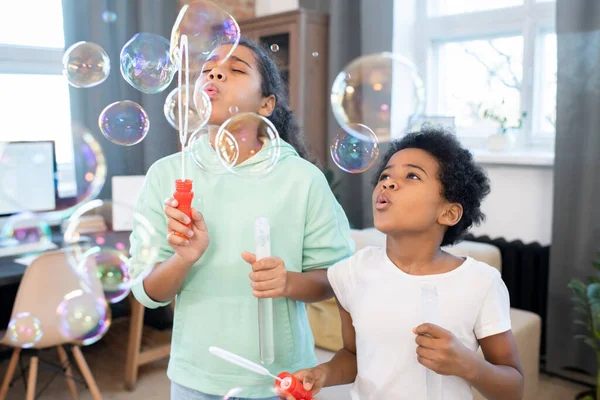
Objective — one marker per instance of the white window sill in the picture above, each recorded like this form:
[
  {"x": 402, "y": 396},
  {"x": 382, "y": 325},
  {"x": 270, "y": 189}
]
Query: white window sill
[{"x": 514, "y": 158}]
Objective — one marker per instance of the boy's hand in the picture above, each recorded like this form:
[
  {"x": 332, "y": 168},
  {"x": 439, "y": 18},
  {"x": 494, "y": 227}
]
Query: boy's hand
[
  {"x": 440, "y": 351},
  {"x": 268, "y": 276},
  {"x": 313, "y": 379},
  {"x": 192, "y": 248}
]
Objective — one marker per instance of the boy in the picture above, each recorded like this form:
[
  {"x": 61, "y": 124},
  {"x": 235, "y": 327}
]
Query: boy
[{"x": 427, "y": 195}]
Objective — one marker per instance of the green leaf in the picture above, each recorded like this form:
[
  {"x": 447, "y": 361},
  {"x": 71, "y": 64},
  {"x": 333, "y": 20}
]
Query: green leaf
[
  {"x": 580, "y": 300},
  {"x": 582, "y": 323},
  {"x": 593, "y": 292},
  {"x": 593, "y": 279},
  {"x": 590, "y": 343},
  {"x": 583, "y": 310},
  {"x": 578, "y": 287}
]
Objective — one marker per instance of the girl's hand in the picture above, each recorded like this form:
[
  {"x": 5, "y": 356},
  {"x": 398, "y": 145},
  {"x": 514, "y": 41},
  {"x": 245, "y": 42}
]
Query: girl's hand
[
  {"x": 440, "y": 351},
  {"x": 268, "y": 276},
  {"x": 191, "y": 249},
  {"x": 312, "y": 379}
]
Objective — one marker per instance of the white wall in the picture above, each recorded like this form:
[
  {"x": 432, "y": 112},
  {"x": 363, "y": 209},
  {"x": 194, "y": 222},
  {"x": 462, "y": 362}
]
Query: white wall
[
  {"x": 267, "y": 7},
  {"x": 519, "y": 205}
]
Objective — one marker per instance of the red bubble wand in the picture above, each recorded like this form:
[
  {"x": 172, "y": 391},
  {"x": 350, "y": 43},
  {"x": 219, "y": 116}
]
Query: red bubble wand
[
  {"x": 183, "y": 187},
  {"x": 285, "y": 383}
]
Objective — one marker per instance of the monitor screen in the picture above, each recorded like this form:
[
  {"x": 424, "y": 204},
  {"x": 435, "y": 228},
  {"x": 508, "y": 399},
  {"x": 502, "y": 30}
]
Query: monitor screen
[{"x": 27, "y": 177}]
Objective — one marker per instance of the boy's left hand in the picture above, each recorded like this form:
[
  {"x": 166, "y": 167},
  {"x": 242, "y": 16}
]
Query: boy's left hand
[
  {"x": 268, "y": 276},
  {"x": 441, "y": 351}
]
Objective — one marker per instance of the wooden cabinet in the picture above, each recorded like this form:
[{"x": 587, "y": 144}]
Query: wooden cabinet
[{"x": 300, "y": 38}]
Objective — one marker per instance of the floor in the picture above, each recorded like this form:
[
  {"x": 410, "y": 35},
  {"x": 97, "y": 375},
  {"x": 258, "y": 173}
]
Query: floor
[{"x": 106, "y": 359}]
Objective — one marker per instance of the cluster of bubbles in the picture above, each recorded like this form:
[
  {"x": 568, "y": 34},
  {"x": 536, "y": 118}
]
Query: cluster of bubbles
[
  {"x": 363, "y": 96},
  {"x": 375, "y": 98}
]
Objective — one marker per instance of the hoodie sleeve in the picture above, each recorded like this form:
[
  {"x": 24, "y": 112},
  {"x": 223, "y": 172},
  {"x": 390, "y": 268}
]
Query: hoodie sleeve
[
  {"x": 148, "y": 245},
  {"x": 326, "y": 231}
]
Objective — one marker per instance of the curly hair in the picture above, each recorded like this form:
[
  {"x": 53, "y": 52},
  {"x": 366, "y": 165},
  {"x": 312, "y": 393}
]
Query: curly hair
[{"x": 462, "y": 180}]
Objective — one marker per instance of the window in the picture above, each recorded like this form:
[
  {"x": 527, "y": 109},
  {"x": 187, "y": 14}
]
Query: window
[
  {"x": 34, "y": 104},
  {"x": 486, "y": 60}
]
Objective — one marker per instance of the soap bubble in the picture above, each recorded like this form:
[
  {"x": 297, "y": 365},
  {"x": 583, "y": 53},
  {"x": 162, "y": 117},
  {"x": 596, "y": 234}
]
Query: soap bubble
[
  {"x": 274, "y": 48},
  {"x": 24, "y": 330},
  {"x": 108, "y": 264},
  {"x": 384, "y": 92},
  {"x": 85, "y": 64},
  {"x": 355, "y": 149},
  {"x": 253, "y": 145},
  {"x": 195, "y": 119},
  {"x": 24, "y": 228},
  {"x": 124, "y": 122},
  {"x": 109, "y": 17},
  {"x": 204, "y": 145},
  {"x": 233, "y": 110},
  {"x": 205, "y": 25},
  {"x": 315, "y": 54},
  {"x": 146, "y": 64},
  {"x": 83, "y": 317}
]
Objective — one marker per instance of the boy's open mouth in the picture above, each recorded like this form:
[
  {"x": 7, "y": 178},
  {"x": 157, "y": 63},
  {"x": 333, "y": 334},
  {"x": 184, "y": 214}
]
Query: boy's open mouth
[{"x": 382, "y": 203}]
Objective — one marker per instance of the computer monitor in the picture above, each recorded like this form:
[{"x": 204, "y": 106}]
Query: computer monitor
[{"x": 28, "y": 177}]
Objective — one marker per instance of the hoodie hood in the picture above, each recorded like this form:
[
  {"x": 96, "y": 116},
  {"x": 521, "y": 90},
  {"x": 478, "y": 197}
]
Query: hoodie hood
[{"x": 205, "y": 156}]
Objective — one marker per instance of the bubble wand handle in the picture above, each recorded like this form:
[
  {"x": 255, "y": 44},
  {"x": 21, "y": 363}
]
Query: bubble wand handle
[
  {"x": 266, "y": 340},
  {"x": 430, "y": 313},
  {"x": 183, "y": 187}
]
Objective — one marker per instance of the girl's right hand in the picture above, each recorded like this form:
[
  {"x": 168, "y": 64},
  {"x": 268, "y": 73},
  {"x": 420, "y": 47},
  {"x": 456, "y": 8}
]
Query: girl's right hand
[
  {"x": 312, "y": 379},
  {"x": 191, "y": 249}
]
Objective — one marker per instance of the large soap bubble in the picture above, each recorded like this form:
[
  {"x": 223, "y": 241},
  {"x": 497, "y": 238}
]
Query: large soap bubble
[
  {"x": 383, "y": 92},
  {"x": 205, "y": 24}
]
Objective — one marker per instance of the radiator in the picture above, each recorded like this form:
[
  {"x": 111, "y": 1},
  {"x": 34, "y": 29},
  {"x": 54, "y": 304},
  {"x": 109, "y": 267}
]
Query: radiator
[{"x": 525, "y": 271}]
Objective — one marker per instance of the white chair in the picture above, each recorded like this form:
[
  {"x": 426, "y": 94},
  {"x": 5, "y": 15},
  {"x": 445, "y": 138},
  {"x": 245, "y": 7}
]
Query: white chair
[{"x": 45, "y": 283}]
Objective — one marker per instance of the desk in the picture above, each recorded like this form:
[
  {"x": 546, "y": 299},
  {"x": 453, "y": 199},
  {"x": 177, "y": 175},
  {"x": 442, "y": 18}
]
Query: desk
[{"x": 12, "y": 272}]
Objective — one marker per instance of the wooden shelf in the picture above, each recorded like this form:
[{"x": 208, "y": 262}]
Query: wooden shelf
[{"x": 299, "y": 34}]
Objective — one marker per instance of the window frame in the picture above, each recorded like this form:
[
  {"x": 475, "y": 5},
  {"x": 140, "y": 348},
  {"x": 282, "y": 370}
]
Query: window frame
[{"x": 529, "y": 20}]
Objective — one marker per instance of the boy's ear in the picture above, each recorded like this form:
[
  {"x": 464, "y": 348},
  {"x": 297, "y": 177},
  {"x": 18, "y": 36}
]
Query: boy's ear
[
  {"x": 451, "y": 215},
  {"x": 267, "y": 106}
]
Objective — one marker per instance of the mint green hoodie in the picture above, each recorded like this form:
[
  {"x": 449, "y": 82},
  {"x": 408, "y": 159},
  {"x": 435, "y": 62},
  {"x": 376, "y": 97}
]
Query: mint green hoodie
[{"x": 215, "y": 306}]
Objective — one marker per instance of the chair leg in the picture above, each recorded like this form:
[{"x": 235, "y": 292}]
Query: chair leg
[
  {"x": 136, "y": 328},
  {"x": 12, "y": 365},
  {"x": 32, "y": 378},
  {"x": 87, "y": 374},
  {"x": 64, "y": 361}
]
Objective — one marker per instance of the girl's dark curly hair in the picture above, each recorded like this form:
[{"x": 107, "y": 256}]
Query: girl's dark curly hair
[{"x": 462, "y": 180}]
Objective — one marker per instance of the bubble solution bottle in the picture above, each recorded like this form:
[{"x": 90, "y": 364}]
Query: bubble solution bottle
[
  {"x": 184, "y": 195},
  {"x": 288, "y": 384}
]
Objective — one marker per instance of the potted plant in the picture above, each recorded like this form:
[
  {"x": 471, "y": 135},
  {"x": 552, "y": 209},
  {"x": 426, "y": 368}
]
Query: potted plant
[
  {"x": 586, "y": 304},
  {"x": 503, "y": 139}
]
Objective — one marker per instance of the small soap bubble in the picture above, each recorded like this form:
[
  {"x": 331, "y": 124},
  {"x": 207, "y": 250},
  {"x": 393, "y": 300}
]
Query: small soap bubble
[
  {"x": 124, "y": 122},
  {"x": 274, "y": 48},
  {"x": 24, "y": 330},
  {"x": 233, "y": 110},
  {"x": 109, "y": 16},
  {"x": 83, "y": 317},
  {"x": 315, "y": 54},
  {"x": 85, "y": 65},
  {"x": 355, "y": 149},
  {"x": 146, "y": 63}
]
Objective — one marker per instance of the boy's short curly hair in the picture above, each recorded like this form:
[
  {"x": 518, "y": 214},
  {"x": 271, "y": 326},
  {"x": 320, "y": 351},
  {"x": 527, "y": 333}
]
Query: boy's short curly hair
[{"x": 462, "y": 180}]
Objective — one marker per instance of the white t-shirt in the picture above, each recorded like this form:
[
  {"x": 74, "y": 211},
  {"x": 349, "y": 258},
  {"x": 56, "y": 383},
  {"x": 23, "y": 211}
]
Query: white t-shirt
[{"x": 385, "y": 305}]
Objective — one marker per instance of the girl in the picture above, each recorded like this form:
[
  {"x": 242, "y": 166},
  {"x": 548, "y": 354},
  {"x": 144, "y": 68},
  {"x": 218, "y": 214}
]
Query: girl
[
  {"x": 213, "y": 272},
  {"x": 427, "y": 195}
]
